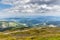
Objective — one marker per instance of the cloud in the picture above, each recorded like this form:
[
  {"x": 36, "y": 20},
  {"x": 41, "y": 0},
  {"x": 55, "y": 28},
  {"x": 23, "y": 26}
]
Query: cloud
[
  {"x": 41, "y": 1},
  {"x": 31, "y": 7}
]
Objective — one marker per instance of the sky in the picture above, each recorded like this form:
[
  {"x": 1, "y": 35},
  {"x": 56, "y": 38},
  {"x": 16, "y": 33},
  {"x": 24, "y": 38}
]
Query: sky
[{"x": 25, "y": 8}]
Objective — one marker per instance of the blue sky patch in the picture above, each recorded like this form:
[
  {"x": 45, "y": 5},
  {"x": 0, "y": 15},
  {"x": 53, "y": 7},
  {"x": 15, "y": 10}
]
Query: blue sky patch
[{"x": 4, "y": 6}]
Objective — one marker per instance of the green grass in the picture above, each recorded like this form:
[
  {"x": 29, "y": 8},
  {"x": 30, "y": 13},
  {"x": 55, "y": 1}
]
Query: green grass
[{"x": 44, "y": 33}]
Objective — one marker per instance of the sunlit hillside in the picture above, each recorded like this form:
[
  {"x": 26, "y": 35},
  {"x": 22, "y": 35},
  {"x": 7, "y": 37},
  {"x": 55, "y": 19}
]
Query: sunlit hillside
[
  {"x": 35, "y": 33},
  {"x": 10, "y": 30}
]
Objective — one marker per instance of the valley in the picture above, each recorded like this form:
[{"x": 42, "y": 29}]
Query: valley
[{"x": 40, "y": 28}]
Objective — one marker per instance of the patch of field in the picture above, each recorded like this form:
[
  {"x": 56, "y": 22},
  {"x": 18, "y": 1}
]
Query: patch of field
[{"x": 38, "y": 33}]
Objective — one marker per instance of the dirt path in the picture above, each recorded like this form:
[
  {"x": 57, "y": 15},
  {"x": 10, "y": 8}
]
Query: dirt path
[
  {"x": 15, "y": 31},
  {"x": 20, "y": 31}
]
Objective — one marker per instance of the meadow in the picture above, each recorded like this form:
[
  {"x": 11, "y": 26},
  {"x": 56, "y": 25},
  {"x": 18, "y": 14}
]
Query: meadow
[{"x": 35, "y": 33}]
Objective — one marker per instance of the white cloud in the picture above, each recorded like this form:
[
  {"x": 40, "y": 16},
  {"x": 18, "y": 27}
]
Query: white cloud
[{"x": 26, "y": 7}]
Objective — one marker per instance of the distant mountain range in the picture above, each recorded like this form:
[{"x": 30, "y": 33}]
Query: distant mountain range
[
  {"x": 36, "y": 20},
  {"x": 39, "y": 21}
]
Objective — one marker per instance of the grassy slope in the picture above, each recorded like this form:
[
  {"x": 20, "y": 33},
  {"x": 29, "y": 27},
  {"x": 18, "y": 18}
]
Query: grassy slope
[{"x": 45, "y": 33}]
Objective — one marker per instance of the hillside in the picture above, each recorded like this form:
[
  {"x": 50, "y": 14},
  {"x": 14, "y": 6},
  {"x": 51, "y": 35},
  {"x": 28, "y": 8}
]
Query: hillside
[{"x": 37, "y": 33}]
